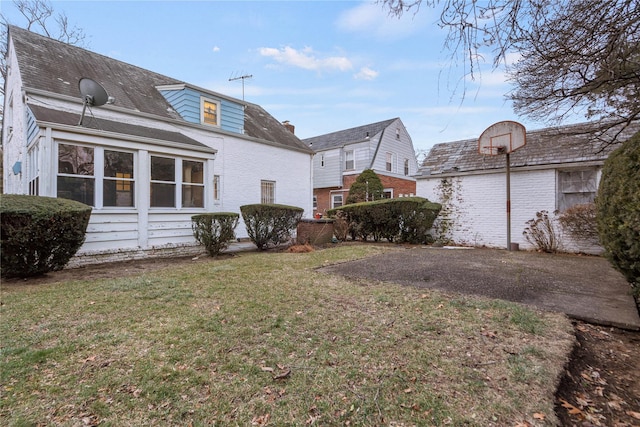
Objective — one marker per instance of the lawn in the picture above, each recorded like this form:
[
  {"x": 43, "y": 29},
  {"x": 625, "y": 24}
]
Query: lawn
[{"x": 265, "y": 339}]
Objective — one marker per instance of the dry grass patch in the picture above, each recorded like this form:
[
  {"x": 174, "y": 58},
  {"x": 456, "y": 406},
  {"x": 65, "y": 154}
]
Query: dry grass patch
[{"x": 264, "y": 339}]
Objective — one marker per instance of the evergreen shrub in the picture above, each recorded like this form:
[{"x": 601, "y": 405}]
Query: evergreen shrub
[
  {"x": 39, "y": 234},
  {"x": 406, "y": 219},
  {"x": 215, "y": 230},
  {"x": 269, "y": 225},
  {"x": 618, "y": 210}
]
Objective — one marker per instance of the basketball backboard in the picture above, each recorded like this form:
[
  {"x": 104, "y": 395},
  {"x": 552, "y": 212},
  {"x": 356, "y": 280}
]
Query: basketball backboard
[{"x": 502, "y": 138}]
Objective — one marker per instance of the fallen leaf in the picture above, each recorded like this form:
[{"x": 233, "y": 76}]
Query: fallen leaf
[
  {"x": 282, "y": 375},
  {"x": 570, "y": 408},
  {"x": 634, "y": 414},
  {"x": 408, "y": 390},
  {"x": 539, "y": 416},
  {"x": 266, "y": 369},
  {"x": 615, "y": 405}
]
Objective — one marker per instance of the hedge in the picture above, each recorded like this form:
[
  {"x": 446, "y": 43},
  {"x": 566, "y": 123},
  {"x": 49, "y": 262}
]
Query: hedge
[
  {"x": 406, "y": 219},
  {"x": 269, "y": 225},
  {"x": 40, "y": 234},
  {"x": 215, "y": 230}
]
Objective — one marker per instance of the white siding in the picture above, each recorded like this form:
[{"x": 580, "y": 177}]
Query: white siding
[{"x": 329, "y": 175}]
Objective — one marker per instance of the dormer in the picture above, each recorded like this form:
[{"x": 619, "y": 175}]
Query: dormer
[{"x": 199, "y": 106}]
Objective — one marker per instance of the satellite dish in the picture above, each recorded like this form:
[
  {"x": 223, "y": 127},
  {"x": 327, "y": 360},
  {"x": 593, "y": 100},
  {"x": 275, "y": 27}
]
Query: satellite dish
[{"x": 93, "y": 95}]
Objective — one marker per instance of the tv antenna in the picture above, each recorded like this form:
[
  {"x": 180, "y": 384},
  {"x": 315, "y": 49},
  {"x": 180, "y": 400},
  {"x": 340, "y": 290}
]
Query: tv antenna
[
  {"x": 93, "y": 94},
  {"x": 243, "y": 78}
]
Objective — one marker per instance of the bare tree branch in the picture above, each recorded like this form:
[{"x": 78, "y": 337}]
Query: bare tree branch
[
  {"x": 37, "y": 14},
  {"x": 576, "y": 57}
]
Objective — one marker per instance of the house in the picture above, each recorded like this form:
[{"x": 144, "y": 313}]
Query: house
[
  {"x": 385, "y": 147},
  {"x": 556, "y": 169},
  {"x": 162, "y": 152}
]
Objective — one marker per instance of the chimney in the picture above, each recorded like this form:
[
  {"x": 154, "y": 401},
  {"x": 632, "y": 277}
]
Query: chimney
[{"x": 291, "y": 128}]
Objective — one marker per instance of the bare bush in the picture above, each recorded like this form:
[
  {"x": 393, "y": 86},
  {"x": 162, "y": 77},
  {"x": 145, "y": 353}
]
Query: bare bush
[{"x": 541, "y": 233}]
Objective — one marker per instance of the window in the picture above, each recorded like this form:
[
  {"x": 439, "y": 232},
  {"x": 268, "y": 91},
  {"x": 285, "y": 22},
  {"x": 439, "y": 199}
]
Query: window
[
  {"x": 406, "y": 167},
  {"x": 210, "y": 112},
  {"x": 216, "y": 187},
  {"x": 315, "y": 202},
  {"x": 336, "y": 200},
  {"x": 387, "y": 193},
  {"x": 163, "y": 182},
  {"x": 192, "y": 184},
  {"x": 398, "y": 133},
  {"x": 576, "y": 187},
  {"x": 389, "y": 162},
  {"x": 321, "y": 160},
  {"x": 34, "y": 171},
  {"x": 76, "y": 180},
  {"x": 118, "y": 184},
  {"x": 348, "y": 160},
  {"x": 267, "y": 192}
]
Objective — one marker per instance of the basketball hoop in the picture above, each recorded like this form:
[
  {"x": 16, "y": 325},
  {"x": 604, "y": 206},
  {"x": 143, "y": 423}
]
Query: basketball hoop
[{"x": 503, "y": 138}]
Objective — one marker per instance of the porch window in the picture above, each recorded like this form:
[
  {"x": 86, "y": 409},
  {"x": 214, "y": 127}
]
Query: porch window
[
  {"x": 576, "y": 187},
  {"x": 118, "y": 184},
  {"x": 267, "y": 192},
  {"x": 192, "y": 184},
  {"x": 76, "y": 180},
  {"x": 210, "y": 112},
  {"x": 163, "y": 182},
  {"x": 348, "y": 160}
]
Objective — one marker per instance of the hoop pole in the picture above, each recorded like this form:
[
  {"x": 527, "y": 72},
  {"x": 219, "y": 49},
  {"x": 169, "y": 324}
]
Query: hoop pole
[{"x": 508, "y": 203}]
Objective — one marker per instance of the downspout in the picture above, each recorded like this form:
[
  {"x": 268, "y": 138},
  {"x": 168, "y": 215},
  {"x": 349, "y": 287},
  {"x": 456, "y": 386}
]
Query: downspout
[{"x": 373, "y": 159}]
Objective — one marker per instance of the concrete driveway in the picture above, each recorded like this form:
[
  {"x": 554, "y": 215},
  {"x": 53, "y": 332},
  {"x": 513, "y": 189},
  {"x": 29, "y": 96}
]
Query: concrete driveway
[{"x": 584, "y": 287}]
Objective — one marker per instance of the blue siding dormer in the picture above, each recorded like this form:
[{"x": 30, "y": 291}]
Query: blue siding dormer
[{"x": 187, "y": 102}]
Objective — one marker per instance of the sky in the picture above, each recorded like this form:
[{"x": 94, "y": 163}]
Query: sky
[{"x": 324, "y": 66}]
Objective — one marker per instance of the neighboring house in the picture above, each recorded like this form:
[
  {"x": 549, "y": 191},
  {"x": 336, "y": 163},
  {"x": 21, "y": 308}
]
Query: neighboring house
[
  {"x": 385, "y": 147},
  {"x": 164, "y": 151},
  {"x": 556, "y": 169}
]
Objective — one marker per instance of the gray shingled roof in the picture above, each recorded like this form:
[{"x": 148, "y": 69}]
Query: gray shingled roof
[
  {"x": 71, "y": 119},
  {"x": 347, "y": 136},
  {"x": 50, "y": 65},
  {"x": 550, "y": 146}
]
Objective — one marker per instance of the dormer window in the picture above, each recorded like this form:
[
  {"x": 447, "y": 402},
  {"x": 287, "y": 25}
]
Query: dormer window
[{"x": 210, "y": 112}]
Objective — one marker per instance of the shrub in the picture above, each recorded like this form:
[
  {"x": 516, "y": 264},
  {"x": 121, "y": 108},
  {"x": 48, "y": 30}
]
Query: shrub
[
  {"x": 270, "y": 224},
  {"x": 406, "y": 219},
  {"x": 215, "y": 230},
  {"x": 367, "y": 187},
  {"x": 541, "y": 233},
  {"x": 618, "y": 210},
  {"x": 40, "y": 234},
  {"x": 341, "y": 225},
  {"x": 579, "y": 221}
]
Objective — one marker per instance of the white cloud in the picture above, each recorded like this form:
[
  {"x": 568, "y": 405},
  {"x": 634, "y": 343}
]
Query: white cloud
[
  {"x": 306, "y": 59},
  {"x": 216, "y": 49},
  {"x": 366, "y": 73}
]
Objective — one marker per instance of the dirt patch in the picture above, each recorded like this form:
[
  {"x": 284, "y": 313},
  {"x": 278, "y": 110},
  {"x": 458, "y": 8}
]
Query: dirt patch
[{"x": 602, "y": 383}]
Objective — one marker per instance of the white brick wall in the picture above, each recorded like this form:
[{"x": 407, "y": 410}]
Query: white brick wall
[{"x": 480, "y": 206}]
